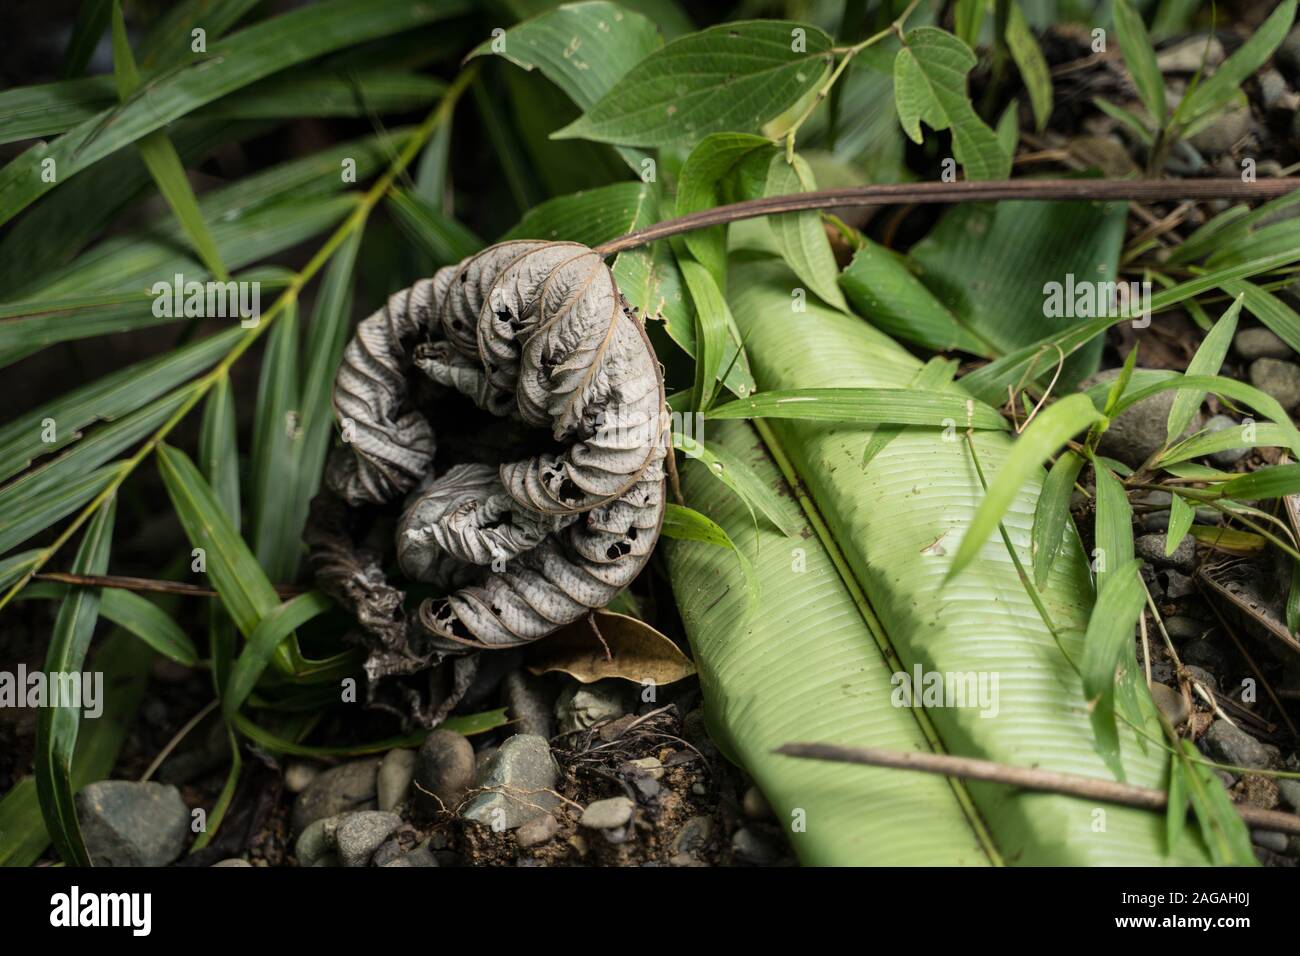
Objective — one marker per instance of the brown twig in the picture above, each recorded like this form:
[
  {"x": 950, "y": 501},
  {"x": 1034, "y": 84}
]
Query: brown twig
[
  {"x": 149, "y": 585},
  {"x": 1050, "y": 781},
  {"x": 1105, "y": 190}
]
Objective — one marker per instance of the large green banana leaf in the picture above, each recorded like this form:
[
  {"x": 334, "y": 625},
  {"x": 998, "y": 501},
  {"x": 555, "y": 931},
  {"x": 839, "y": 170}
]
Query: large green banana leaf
[{"x": 804, "y": 666}]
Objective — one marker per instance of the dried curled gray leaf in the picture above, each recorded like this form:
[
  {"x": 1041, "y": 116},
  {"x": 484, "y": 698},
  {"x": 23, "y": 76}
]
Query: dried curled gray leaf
[{"x": 539, "y": 332}]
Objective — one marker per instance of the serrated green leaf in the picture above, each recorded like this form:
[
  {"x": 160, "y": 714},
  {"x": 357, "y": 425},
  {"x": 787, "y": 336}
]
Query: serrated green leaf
[
  {"x": 930, "y": 86},
  {"x": 731, "y": 77}
]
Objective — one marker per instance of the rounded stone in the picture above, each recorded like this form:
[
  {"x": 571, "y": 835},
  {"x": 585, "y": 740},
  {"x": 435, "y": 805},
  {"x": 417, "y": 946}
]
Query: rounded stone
[
  {"x": 347, "y": 787},
  {"x": 1258, "y": 342},
  {"x": 1277, "y": 378},
  {"x": 444, "y": 770},
  {"x": 608, "y": 814},
  {"x": 396, "y": 771}
]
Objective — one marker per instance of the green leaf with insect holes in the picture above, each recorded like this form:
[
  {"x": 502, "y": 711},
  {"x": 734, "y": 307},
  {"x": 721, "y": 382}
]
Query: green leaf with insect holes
[{"x": 930, "y": 86}]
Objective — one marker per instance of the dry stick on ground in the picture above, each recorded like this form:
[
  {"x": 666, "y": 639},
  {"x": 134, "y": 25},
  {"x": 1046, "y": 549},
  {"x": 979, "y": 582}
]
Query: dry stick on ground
[
  {"x": 148, "y": 585},
  {"x": 1134, "y": 190},
  {"x": 1050, "y": 781}
]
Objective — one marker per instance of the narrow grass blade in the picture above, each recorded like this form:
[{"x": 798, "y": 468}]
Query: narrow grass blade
[{"x": 1052, "y": 513}]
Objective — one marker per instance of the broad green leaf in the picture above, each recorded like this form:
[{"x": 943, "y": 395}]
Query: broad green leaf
[
  {"x": 934, "y": 376},
  {"x": 883, "y": 290},
  {"x": 1207, "y": 361},
  {"x": 1214, "y": 92},
  {"x": 761, "y": 673},
  {"x": 1181, "y": 515},
  {"x": 1046, "y": 434},
  {"x": 1031, "y": 64},
  {"x": 1179, "y": 802},
  {"x": 1113, "y": 529},
  {"x": 277, "y": 436},
  {"x": 244, "y": 590},
  {"x": 583, "y": 48},
  {"x": 731, "y": 77},
  {"x": 1141, "y": 60},
  {"x": 930, "y": 86},
  {"x": 161, "y": 157},
  {"x": 232, "y": 63},
  {"x": 1052, "y": 514},
  {"x": 733, "y": 472},
  {"x": 272, "y": 630},
  {"x": 894, "y": 530},
  {"x": 57, "y": 726},
  {"x": 800, "y": 237},
  {"x": 895, "y": 406},
  {"x": 590, "y": 217},
  {"x": 699, "y": 187},
  {"x": 1003, "y": 270},
  {"x": 1107, "y": 645}
]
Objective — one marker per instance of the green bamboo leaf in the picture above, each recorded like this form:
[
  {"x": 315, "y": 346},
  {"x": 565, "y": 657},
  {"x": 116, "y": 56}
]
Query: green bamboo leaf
[
  {"x": 39, "y": 511},
  {"x": 1180, "y": 520},
  {"x": 898, "y": 406},
  {"x": 1210, "y": 94},
  {"x": 92, "y": 18},
  {"x": 134, "y": 614},
  {"x": 1052, "y": 514},
  {"x": 934, "y": 376},
  {"x": 731, "y": 77},
  {"x": 968, "y": 18},
  {"x": 58, "y": 423},
  {"x": 1043, "y": 438},
  {"x": 1141, "y": 60},
  {"x": 1261, "y": 434},
  {"x": 1131, "y": 120},
  {"x": 445, "y": 239},
  {"x": 1263, "y": 403},
  {"x": 799, "y": 235},
  {"x": 1107, "y": 645},
  {"x": 361, "y": 93},
  {"x": 712, "y": 319},
  {"x": 1192, "y": 287},
  {"x": 57, "y": 726},
  {"x": 884, "y": 291},
  {"x": 231, "y": 64},
  {"x": 89, "y": 453},
  {"x": 271, "y": 631},
  {"x": 1113, "y": 529},
  {"x": 699, "y": 186},
  {"x": 686, "y": 524},
  {"x": 733, "y": 472},
  {"x": 244, "y": 589},
  {"x": 161, "y": 158},
  {"x": 1220, "y": 826},
  {"x": 169, "y": 39},
  {"x": 125, "y": 663},
  {"x": 930, "y": 86},
  {"x": 1269, "y": 309},
  {"x": 277, "y": 436},
  {"x": 466, "y": 724},
  {"x": 1207, "y": 361},
  {"x": 1031, "y": 64},
  {"x": 1228, "y": 227},
  {"x": 989, "y": 383},
  {"x": 326, "y": 337},
  {"x": 1276, "y": 481},
  {"x": 218, "y": 449}
]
